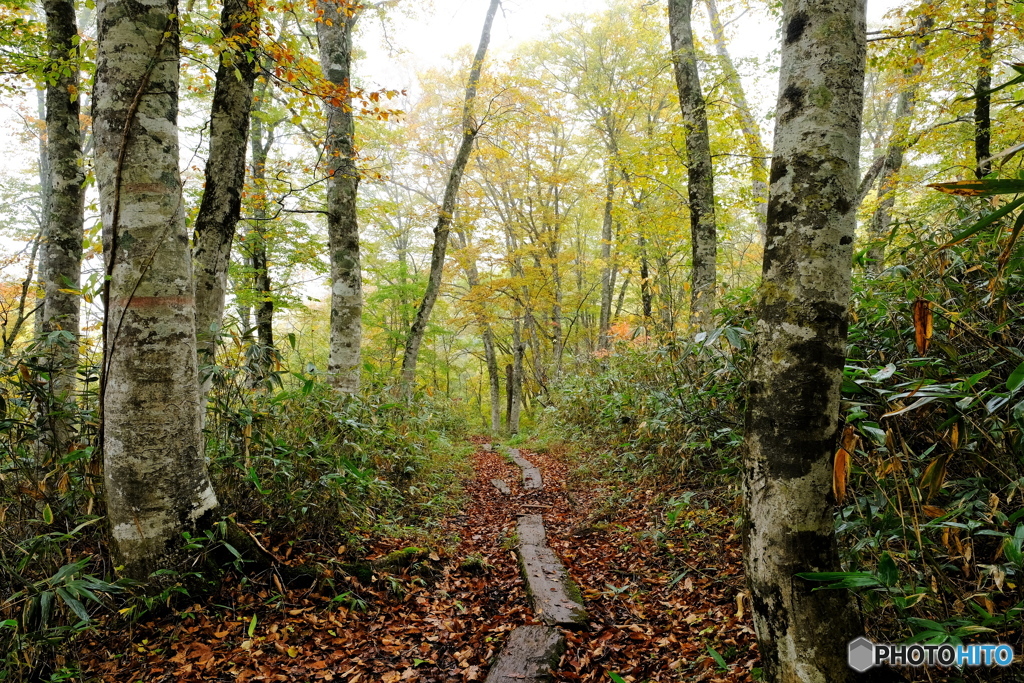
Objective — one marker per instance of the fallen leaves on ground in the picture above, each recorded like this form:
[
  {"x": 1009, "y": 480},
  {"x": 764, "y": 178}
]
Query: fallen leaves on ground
[{"x": 666, "y": 602}]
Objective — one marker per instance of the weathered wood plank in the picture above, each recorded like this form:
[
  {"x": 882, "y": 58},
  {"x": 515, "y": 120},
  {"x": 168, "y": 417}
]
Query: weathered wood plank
[
  {"x": 555, "y": 598},
  {"x": 531, "y": 475},
  {"x": 528, "y": 655},
  {"x": 501, "y": 486}
]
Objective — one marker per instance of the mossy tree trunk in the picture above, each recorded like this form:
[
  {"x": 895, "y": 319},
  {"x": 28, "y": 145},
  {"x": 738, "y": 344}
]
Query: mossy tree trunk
[
  {"x": 60, "y": 264},
  {"x": 155, "y": 473},
  {"x": 801, "y": 328}
]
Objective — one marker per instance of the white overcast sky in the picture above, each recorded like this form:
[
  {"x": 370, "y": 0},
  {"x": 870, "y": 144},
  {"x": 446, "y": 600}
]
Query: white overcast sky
[{"x": 442, "y": 29}]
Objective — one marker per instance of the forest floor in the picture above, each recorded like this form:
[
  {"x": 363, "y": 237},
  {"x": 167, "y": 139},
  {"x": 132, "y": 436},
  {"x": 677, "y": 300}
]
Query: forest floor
[{"x": 665, "y": 601}]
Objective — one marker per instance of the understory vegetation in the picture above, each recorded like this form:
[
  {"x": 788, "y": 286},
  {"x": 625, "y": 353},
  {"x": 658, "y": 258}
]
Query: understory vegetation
[
  {"x": 301, "y": 471},
  {"x": 929, "y": 475}
]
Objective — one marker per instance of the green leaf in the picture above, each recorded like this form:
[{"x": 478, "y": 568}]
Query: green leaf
[
  {"x": 887, "y": 571},
  {"x": 873, "y": 432},
  {"x": 616, "y": 678},
  {"x": 985, "y": 221},
  {"x": 252, "y": 626},
  {"x": 718, "y": 658},
  {"x": 1016, "y": 379},
  {"x": 842, "y": 579},
  {"x": 48, "y": 514},
  {"x": 76, "y": 607}
]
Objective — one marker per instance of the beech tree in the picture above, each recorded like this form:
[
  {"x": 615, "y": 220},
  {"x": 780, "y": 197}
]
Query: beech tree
[
  {"x": 748, "y": 124},
  {"x": 62, "y": 233},
  {"x": 700, "y": 185},
  {"x": 801, "y": 327},
  {"x": 899, "y": 141},
  {"x": 334, "y": 27},
  {"x": 225, "y": 172},
  {"x": 154, "y": 468},
  {"x": 470, "y": 127}
]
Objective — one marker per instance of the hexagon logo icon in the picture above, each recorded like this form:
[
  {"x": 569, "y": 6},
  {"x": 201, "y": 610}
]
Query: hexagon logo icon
[{"x": 861, "y": 654}]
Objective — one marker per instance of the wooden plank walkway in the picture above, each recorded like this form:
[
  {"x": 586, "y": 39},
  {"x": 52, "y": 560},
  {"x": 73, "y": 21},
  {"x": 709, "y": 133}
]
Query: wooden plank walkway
[
  {"x": 530, "y": 652},
  {"x": 555, "y": 599},
  {"x": 528, "y": 655},
  {"x": 531, "y": 475}
]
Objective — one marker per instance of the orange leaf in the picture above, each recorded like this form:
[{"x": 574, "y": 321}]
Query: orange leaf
[{"x": 922, "y": 325}]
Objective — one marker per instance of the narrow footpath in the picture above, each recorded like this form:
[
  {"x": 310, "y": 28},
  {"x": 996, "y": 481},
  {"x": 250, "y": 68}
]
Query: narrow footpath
[{"x": 642, "y": 597}]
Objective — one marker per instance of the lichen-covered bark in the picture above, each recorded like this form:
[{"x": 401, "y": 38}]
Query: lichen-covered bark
[
  {"x": 748, "y": 124},
  {"x": 470, "y": 128},
  {"x": 793, "y": 393},
  {"x": 700, "y": 179},
  {"x": 899, "y": 141},
  {"x": 61, "y": 255},
  {"x": 338, "y": 18},
  {"x": 225, "y": 175},
  {"x": 154, "y": 468}
]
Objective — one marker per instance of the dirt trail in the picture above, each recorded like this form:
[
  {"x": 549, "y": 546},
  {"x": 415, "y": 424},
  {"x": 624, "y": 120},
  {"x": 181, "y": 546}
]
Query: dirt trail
[{"x": 659, "y": 599}]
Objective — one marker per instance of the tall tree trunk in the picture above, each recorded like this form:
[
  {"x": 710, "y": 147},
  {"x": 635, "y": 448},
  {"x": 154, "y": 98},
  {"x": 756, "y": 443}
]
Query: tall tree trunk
[
  {"x": 793, "y": 393},
  {"x": 61, "y": 263},
  {"x": 646, "y": 291},
  {"x": 622, "y": 297},
  {"x": 470, "y": 128},
  {"x": 982, "y": 94},
  {"x": 155, "y": 472},
  {"x": 224, "y": 179},
  {"x": 490, "y": 354},
  {"x": 898, "y": 143},
  {"x": 261, "y": 141},
  {"x": 493, "y": 377},
  {"x": 700, "y": 179},
  {"x": 343, "y": 367},
  {"x": 45, "y": 191},
  {"x": 665, "y": 296},
  {"x": 607, "y": 270},
  {"x": 748, "y": 124},
  {"x": 515, "y": 385}
]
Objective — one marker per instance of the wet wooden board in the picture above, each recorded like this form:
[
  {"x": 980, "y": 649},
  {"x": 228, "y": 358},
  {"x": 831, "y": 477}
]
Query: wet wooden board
[
  {"x": 531, "y": 475},
  {"x": 528, "y": 655},
  {"x": 501, "y": 486},
  {"x": 547, "y": 583}
]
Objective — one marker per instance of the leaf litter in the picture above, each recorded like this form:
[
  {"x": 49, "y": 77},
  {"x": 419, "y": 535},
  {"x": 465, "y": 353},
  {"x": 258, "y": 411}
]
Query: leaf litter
[{"x": 666, "y": 602}]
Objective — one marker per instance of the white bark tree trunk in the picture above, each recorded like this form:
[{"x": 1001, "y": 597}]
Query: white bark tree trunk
[
  {"x": 793, "y": 393},
  {"x": 335, "y": 32},
  {"x": 155, "y": 472},
  {"x": 700, "y": 175}
]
